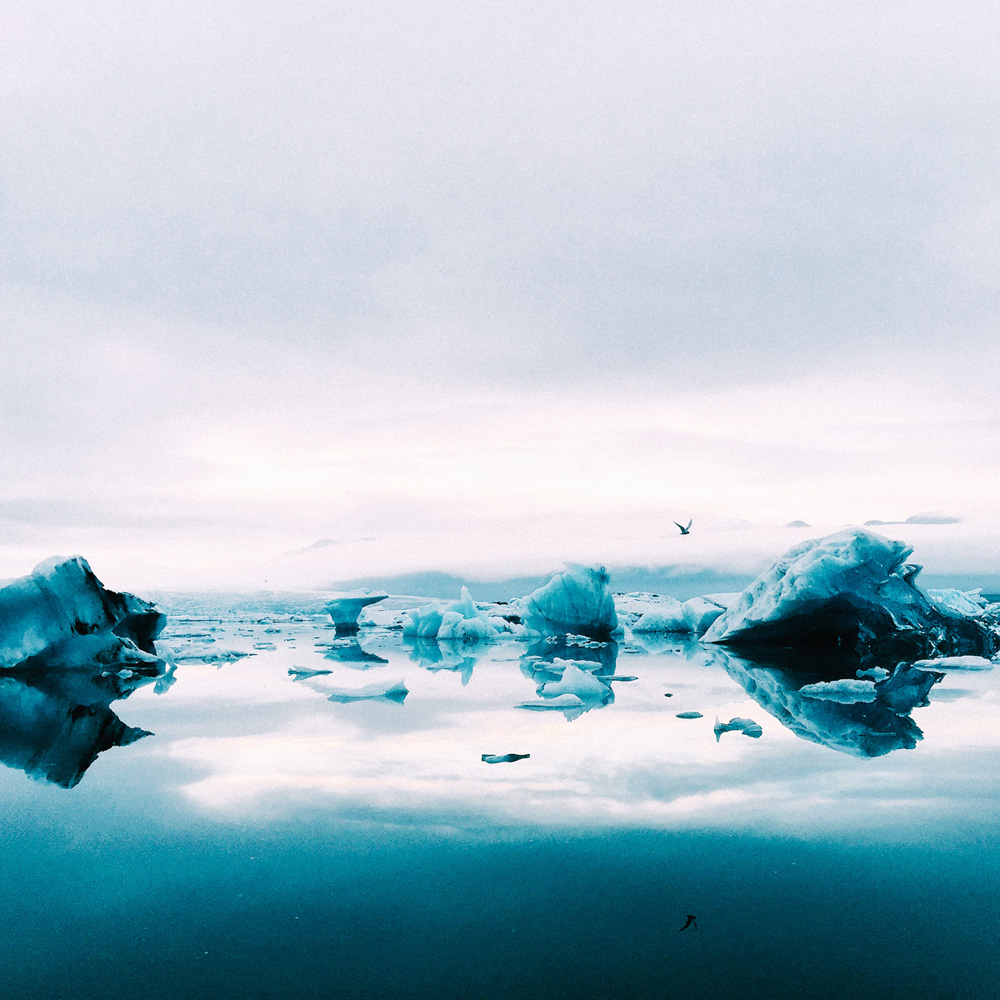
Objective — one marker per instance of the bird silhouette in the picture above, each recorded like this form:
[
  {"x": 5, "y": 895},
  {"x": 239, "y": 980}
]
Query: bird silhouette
[
  {"x": 687, "y": 530},
  {"x": 506, "y": 758},
  {"x": 692, "y": 921}
]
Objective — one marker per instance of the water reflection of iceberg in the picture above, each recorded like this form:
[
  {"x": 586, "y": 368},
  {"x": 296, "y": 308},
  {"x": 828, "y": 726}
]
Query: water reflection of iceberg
[
  {"x": 869, "y": 728},
  {"x": 351, "y": 653},
  {"x": 444, "y": 654},
  {"x": 55, "y": 715},
  {"x": 572, "y": 677}
]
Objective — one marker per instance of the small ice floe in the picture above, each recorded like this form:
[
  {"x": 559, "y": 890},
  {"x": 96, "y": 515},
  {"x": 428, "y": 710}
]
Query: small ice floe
[
  {"x": 689, "y": 715},
  {"x": 504, "y": 758},
  {"x": 745, "y": 726},
  {"x": 873, "y": 673},
  {"x": 396, "y": 692},
  {"x": 847, "y": 691},
  {"x": 201, "y": 652},
  {"x": 583, "y": 641},
  {"x": 264, "y": 645},
  {"x": 300, "y": 673},
  {"x": 955, "y": 663}
]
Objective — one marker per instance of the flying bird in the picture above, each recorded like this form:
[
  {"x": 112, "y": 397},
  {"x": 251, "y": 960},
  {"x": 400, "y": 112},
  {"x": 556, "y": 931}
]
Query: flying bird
[
  {"x": 687, "y": 530},
  {"x": 692, "y": 921}
]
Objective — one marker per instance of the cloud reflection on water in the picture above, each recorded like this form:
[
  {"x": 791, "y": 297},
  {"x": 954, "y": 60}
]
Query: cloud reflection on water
[{"x": 631, "y": 764}]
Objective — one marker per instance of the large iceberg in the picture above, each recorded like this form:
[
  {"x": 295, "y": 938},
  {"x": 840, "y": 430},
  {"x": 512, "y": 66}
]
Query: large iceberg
[
  {"x": 576, "y": 601},
  {"x": 61, "y": 599},
  {"x": 853, "y": 590}
]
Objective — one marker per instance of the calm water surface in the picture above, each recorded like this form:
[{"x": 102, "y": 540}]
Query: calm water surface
[{"x": 267, "y": 842}]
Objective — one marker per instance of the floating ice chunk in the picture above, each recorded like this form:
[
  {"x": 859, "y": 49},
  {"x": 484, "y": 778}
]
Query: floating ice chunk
[
  {"x": 873, "y": 673},
  {"x": 395, "y": 692},
  {"x": 853, "y": 589},
  {"x": 563, "y": 703},
  {"x": 62, "y": 598},
  {"x": 955, "y": 663},
  {"x": 577, "y": 600},
  {"x": 689, "y": 715},
  {"x": 344, "y": 608},
  {"x": 745, "y": 726},
  {"x": 847, "y": 691},
  {"x": 301, "y": 673},
  {"x": 504, "y": 758},
  {"x": 460, "y": 620},
  {"x": 203, "y": 652}
]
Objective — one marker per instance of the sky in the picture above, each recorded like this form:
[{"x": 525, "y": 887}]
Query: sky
[{"x": 482, "y": 287}]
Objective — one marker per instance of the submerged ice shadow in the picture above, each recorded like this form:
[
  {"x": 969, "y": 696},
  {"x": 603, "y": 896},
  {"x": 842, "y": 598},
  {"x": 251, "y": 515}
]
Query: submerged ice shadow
[{"x": 838, "y": 700}]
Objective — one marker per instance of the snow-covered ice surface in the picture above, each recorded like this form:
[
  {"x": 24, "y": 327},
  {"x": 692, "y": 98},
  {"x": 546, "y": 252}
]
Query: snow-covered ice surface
[{"x": 241, "y": 777}]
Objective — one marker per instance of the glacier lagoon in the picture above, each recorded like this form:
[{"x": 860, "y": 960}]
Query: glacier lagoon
[{"x": 267, "y": 841}]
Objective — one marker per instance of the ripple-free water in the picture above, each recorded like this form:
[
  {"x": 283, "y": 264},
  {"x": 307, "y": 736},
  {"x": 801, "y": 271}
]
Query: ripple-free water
[{"x": 266, "y": 842}]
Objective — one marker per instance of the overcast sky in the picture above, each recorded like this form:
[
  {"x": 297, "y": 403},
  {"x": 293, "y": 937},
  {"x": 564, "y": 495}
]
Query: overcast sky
[{"x": 484, "y": 286}]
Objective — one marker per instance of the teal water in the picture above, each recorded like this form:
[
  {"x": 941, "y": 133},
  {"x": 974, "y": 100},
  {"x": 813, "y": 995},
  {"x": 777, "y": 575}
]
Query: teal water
[{"x": 266, "y": 842}]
